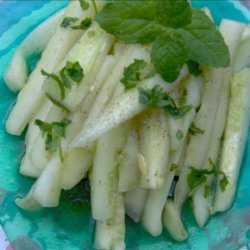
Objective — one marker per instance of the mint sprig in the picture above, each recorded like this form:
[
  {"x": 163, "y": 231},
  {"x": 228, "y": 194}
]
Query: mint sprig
[{"x": 176, "y": 32}]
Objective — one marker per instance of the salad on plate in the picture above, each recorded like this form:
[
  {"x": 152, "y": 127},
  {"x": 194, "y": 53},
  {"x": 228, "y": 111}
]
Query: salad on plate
[{"x": 145, "y": 102}]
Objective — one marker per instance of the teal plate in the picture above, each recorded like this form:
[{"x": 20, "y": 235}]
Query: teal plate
[{"x": 70, "y": 226}]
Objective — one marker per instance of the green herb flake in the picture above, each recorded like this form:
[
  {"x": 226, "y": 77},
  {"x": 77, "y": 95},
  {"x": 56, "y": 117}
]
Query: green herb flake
[
  {"x": 57, "y": 80},
  {"x": 132, "y": 74},
  {"x": 179, "y": 134},
  {"x": 207, "y": 191},
  {"x": 154, "y": 97},
  {"x": 54, "y": 132},
  {"x": 177, "y": 33},
  {"x": 84, "y": 4},
  {"x": 223, "y": 182},
  {"x": 58, "y": 104},
  {"x": 199, "y": 176},
  {"x": 173, "y": 167},
  {"x": 178, "y": 111},
  {"x": 158, "y": 98},
  {"x": 66, "y": 81},
  {"x": 84, "y": 25},
  {"x": 196, "y": 177},
  {"x": 194, "y": 130},
  {"x": 71, "y": 72},
  {"x": 68, "y": 21},
  {"x": 74, "y": 71}
]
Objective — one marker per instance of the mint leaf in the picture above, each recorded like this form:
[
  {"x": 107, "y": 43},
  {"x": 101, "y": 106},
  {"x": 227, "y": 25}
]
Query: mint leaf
[
  {"x": 68, "y": 21},
  {"x": 174, "y": 13},
  {"x": 158, "y": 98},
  {"x": 168, "y": 55},
  {"x": 130, "y": 21},
  {"x": 205, "y": 43},
  {"x": 142, "y": 21},
  {"x": 132, "y": 74},
  {"x": 84, "y": 25}
]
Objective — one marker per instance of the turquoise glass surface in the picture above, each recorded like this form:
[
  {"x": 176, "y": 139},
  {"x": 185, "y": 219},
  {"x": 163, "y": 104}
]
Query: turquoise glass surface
[{"x": 70, "y": 226}]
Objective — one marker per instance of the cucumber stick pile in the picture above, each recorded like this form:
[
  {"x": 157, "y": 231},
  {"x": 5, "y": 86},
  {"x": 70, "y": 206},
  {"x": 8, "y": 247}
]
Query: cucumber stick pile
[{"x": 148, "y": 100}]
